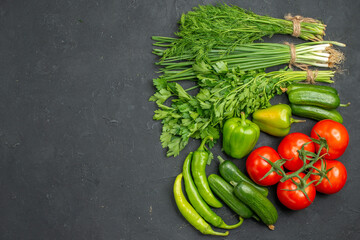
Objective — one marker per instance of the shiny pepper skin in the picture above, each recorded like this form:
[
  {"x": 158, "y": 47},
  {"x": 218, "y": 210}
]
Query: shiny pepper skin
[
  {"x": 239, "y": 136},
  {"x": 275, "y": 120}
]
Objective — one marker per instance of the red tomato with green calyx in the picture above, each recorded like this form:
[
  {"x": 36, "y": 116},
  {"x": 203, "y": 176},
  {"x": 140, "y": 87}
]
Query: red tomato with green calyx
[
  {"x": 295, "y": 200},
  {"x": 337, "y": 176},
  {"x": 336, "y": 135},
  {"x": 289, "y": 146},
  {"x": 257, "y": 167}
]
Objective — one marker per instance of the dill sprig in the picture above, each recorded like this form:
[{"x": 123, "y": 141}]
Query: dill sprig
[{"x": 208, "y": 26}]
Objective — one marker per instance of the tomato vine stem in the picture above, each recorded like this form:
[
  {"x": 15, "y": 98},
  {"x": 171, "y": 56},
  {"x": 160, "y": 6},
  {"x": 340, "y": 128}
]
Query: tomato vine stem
[{"x": 309, "y": 159}]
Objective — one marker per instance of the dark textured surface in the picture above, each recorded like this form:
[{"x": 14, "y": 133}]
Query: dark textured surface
[{"x": 80, "y": 156}]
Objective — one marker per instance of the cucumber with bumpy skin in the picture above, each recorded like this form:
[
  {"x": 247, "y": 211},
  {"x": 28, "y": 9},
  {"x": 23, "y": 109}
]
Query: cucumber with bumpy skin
[
  {"x": 318, "y": 98},
  {"x": 316, "y": 113},
  {"x": 224, "y": 191},
  {"x": 305, "y": 86},
  {"x": 231, "y": 173},
  {"x": 260, "y": 204}
]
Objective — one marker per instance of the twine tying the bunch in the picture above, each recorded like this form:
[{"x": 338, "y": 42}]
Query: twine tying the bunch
[
  {"x": 311, "y": 76},
  {"x": 292, "y": 61},
  {"x": 297, "y": 23},
  {"x": 292, "y": 53}
]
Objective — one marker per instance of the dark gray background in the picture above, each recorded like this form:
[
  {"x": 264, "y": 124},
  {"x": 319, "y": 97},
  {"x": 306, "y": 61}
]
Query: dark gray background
[{"x": 80, "y": 156}]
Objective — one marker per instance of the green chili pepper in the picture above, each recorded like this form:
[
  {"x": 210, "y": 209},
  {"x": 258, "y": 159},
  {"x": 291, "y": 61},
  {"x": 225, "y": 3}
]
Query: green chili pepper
[
  {"x": 198, "y": 203},
  {"x": 275, "y": 120},
  {"x": 190, "y": 213},
  {"x": 239, "y": 136},
  {"x": 198, "y": 166}
]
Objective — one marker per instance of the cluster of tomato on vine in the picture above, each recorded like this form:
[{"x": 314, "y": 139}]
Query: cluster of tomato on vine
[{"x": 311, "y": 162}]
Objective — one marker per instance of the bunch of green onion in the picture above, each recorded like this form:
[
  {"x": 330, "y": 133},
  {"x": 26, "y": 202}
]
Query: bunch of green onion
[{"x": 250, "y": 57}]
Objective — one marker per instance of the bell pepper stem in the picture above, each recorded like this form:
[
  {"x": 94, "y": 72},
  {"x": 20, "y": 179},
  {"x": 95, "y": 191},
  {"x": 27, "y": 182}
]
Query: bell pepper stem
[
  {"x": 243, "y": 119},
  {"x": 292, "y": 120}
]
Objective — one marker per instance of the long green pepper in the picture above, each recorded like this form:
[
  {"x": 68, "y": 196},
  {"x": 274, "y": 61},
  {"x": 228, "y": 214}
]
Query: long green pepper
[
  {"x": 200, "y": 159},
  {"x": 198, "y": 203},
  {"x": 190, "y": 213}
]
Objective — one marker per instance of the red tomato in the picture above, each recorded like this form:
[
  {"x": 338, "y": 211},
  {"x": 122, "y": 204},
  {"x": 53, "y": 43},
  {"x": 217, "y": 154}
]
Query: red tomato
[
  {"x": 295, "y": 200},
  {"x": 337, "y": 176},
  {"x": 289, "y": 146},
  {"x": 336, "y": 136},
  {"x": 257, "y": 167}
]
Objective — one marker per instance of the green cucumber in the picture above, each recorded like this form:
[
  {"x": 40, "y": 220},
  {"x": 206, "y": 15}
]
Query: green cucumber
[
  {"x": 316, "y": 113},
  {"x": 318, "y": 98},
  {"x": 224, "y": 191},
  {"x": 231, "y": 173},
  {"x": 305, "y": 86},
  {"x": 260, "y": 204}
]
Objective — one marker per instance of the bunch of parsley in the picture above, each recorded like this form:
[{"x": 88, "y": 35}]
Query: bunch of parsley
[{"x": 223, "y": 93}]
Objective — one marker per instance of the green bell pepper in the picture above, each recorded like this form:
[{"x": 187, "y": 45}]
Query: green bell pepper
[
  {"x": 239, "y": 136},
  {"x": 275, "y": 120}
]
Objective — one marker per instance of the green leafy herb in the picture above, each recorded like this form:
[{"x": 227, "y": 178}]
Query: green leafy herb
[
  {"x": 222, "y": 95},
  {"x": 208, "y": 26}
]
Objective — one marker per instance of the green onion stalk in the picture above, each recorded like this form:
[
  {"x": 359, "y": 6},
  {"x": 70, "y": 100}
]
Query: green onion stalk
[
  {"x": 252, "y": 56},
  {"x": 221, "y": 95},
  {"x": 209, "y": 26}
]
